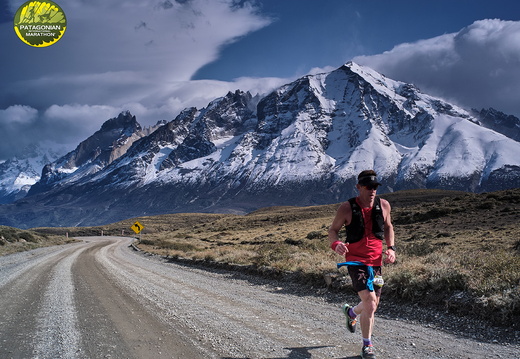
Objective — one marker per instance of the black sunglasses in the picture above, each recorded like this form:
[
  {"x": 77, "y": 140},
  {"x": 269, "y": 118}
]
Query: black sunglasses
[{"x": 371, "y": 186}]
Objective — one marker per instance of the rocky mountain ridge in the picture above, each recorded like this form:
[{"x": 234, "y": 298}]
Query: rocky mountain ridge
[{"x": 302, "y": 144}]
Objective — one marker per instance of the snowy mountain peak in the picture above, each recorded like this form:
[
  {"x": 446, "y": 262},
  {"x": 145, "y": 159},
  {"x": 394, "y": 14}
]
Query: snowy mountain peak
[
  {"x": 93, "y": 154},
  {"x": 302, "y": 144}
]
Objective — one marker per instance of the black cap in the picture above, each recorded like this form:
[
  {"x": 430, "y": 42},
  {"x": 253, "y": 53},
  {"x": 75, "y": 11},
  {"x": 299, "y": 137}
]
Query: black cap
[{"x": 368, "y": 181}]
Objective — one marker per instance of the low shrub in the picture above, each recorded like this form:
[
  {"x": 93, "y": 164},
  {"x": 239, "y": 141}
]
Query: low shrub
[{"x": 315, "y": 235}]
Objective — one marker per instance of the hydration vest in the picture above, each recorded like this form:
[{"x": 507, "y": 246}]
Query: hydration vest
[{"x": 356, "y": 228}]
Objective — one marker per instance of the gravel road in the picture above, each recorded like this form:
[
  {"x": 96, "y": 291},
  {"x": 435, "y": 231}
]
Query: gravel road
[{"x": 98, "y": 298}]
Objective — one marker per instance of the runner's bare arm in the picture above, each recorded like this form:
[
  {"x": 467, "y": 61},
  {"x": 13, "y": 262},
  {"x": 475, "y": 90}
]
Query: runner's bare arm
[
  {"x": 343, "y": 217},
  {"x": 389, "y": 231}
]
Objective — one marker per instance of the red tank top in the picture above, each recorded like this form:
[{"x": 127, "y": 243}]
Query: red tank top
[{"x": 369, "y": 250}]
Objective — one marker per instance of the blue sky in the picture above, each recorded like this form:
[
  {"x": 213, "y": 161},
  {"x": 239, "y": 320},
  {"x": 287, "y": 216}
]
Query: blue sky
[
  {"x": 156, "y": 57},
  {"x": 313, "y": 33}
]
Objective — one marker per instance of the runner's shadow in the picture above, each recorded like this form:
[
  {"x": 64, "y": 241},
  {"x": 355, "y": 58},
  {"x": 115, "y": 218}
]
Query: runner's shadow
[{"x": 299, "y": 353}]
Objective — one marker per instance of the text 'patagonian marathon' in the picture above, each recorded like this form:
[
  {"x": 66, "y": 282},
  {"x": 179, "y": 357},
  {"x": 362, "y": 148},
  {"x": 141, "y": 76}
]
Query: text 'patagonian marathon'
[{"x": 40, "y": 27}]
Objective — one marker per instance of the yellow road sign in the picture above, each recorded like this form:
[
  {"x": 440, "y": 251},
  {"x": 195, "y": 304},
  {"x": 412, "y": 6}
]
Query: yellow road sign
[{"x": 137, "y": 227}]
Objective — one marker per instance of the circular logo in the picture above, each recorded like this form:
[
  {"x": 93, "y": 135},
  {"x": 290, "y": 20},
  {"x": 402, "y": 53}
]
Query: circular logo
[{"x": 40, "y": 23}]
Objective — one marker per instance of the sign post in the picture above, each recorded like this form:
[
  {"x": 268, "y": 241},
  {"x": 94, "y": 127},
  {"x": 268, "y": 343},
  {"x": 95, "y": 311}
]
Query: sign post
[{"x": 137, "y": 228}]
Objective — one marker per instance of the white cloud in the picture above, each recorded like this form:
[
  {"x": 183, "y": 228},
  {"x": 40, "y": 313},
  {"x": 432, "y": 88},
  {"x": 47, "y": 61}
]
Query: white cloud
[
  {"x": 17, "y": 115},
  {"x": 119, "y": 51},
  {"x": 16, "y": 126},
  {"x": 478, "y": 67},
  {"x": 68, "y": 124},
  {"x": 117, "y": 55}
]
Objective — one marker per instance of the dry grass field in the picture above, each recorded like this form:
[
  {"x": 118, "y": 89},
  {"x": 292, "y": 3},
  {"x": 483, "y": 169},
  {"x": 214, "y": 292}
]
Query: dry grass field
[
  {"x": 14, "y": 240},
  {"x": 457, "y": 250}
]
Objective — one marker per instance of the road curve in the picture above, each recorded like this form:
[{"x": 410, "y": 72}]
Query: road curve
[{"x": 100, "y": 299}]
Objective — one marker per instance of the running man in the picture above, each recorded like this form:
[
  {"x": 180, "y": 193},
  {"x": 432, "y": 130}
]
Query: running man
[{"x": 368, "y": 223}]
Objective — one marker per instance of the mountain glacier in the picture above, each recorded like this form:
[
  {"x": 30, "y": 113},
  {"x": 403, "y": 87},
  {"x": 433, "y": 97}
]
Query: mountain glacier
[{"x": 302, "y": 144}]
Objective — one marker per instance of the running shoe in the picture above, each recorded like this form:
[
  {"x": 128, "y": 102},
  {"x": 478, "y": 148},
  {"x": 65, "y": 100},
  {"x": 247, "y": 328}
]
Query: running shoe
[
  {"x": 351, "y": 322},
  {"x": 368, "y": 352}
]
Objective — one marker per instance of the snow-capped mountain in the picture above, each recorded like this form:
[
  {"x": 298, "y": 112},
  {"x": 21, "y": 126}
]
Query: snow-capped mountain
[
  {"x": 18, "y": 174},
  {"x": 302, "y": 144},
  {"x": 498, "y": 121},
  {"x": 114, "y": 138}
]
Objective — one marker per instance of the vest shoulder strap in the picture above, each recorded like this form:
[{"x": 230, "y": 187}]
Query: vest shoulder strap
[{"x": 353, "y": 204}]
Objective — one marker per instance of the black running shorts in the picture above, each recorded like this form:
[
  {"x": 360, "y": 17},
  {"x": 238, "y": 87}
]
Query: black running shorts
[{"x": 359, "y": 276}]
